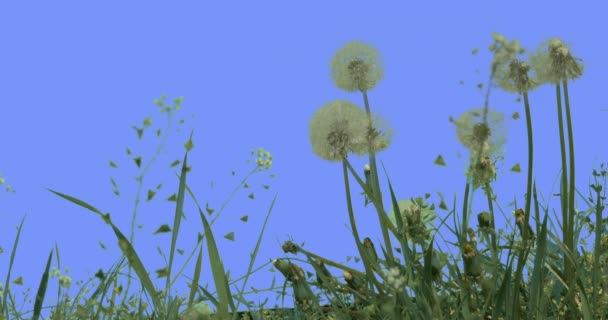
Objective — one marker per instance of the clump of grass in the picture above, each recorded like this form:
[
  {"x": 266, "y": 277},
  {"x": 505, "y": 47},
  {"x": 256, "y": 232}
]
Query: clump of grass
[{"x": 529, "y": 272}]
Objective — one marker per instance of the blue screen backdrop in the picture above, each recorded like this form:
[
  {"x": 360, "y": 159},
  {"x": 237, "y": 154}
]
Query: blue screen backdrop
[{"x": 76, "y": 77}]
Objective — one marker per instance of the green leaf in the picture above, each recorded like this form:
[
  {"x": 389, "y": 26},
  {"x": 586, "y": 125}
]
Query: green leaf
[
  {"x": 229, "y": 236},
  {"x": 174, "y": 163},
  {"x": 139, "y": 131},
  {"x": 151, "y": 194},
  {"x": 439, "y": 161},
  {"x": 163, "y": 229},
  {"x": 189, "y": 145},
  {"x": 516, "y": 168},
  {"x": 114, "y": 187}
]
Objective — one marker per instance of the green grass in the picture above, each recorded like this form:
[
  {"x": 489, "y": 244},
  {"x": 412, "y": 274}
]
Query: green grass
[{"x": 524, "y": 272}]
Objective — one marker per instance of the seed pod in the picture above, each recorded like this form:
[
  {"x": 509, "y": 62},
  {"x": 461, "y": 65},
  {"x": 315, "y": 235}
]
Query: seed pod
[
  {"x": 472, "y": 237},
  {"x": 484, "y": 220},
  {"x": 290, "y": 247},
  {"x": 370, "y": 250},
  {"x": 303, "y": 294},
  {"x": 413, "y": 214},
  {"x": 324, "y": 272},
  {"x": 368, "y": 183},
  {"x": 291, "y": 271},
  {"x": 472, "y": 263},
  {"x": 520, "y": 220},
  {"x": 354, "y": 282}
]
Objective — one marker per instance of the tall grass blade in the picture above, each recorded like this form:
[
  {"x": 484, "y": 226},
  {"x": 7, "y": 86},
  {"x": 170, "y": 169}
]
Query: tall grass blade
[
  {"x": 4, "y": 306},
  {"x": 177, "y": 218},
  {"x": 42, "y": 288},
  {"x": 504, "y": 293},
  {"x": 257, "y": 247},
  {"x": 217, "y": 268},
  {"x": 197, "y": 274},
  {"x": 536, "y": 303}
]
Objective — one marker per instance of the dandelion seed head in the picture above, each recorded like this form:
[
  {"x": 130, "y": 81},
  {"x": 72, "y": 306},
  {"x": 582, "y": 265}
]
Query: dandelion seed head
[
  {"x": 472, "y": 132},
  {"x": 553, "y": 63},
  {"x": 356, "y": 66},
  {"x": 340, "y": 127}
]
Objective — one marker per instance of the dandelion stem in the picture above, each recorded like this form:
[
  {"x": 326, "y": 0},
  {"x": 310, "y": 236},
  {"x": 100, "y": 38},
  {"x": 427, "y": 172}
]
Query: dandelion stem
[
  {"x": 376, "y": 183},
  {"x": 370, "y": 275}
]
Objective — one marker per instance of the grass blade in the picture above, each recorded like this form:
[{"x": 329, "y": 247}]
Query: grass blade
[
  {"x": 125, "y": 247},
  {"x": 4, "y": 307},
  {"x": 217, "y": 268},
  {"x": 177, "y": 217},
  {"x": 42, "y": 288},
  {"x": 536, "y": 287},
  {"x": 196, "y": 276}
]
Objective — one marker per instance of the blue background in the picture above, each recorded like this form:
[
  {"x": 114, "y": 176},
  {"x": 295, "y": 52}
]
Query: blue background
[{"x": 76, "y": 76}]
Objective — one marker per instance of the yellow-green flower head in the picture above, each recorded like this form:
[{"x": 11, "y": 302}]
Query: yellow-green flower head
[
  {"x": 340, "y": 127},
  {"x": 356, "y": 66},
  {"x": 554, "y": 63},
  {"x": 264, "y": 159},
  {"x": 473, "y": 133}
]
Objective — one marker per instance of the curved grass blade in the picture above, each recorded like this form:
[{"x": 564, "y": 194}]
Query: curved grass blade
[{"x": 125, "y": 247}]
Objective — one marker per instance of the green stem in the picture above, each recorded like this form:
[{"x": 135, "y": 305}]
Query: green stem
[
  {"x": 376, "y": 184},
  {"x": 465, "y": 224},
  {"x": 530, "y": 164},
  {"x": 564, "y": 187},
  {"x": 368, "y": 270},
  {"x": 572, "y": 184},
  {"x": 598, "y": 238}
]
